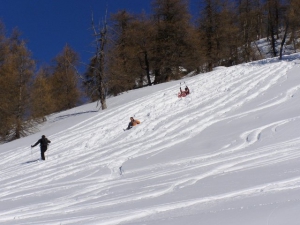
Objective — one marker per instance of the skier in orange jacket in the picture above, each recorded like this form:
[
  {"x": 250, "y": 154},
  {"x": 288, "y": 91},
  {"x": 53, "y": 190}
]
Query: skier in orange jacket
[{"x": 132, "y": 123}]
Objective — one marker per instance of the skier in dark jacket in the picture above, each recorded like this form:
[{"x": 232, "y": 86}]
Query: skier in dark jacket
[{"x": 44, "y": 142}]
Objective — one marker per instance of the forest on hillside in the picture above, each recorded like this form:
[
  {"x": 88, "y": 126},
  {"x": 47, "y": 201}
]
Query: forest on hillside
[{"x": 136, "y": 50}]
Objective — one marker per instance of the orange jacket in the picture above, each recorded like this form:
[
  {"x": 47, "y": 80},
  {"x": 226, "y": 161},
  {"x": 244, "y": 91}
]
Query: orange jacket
[{"x": 135, "y": 122}]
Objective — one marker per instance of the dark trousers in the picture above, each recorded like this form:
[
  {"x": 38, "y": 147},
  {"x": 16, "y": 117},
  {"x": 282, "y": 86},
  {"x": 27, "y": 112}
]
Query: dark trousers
[
  {"x": 129, "y": 125},
  {"x": 43, "y": 150}
]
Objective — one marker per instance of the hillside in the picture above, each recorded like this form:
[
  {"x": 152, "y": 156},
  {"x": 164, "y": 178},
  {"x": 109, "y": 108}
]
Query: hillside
[{"x": 229, "y": 153}]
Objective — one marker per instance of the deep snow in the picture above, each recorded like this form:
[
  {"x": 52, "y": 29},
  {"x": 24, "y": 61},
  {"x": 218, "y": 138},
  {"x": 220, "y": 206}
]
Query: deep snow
[{"x": 229, "y": 153}]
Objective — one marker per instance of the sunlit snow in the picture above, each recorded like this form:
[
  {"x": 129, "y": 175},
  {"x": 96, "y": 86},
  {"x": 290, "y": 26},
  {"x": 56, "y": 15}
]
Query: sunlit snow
[{"x": 228, "y": 153}]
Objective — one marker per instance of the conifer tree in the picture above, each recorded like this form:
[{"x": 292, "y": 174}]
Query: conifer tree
[
  {"x": 208, "y": 29},
  {"x": 41, "y": 96},
  {"x": 17, "y": 70},
  {"x": 64, "y": 81},
  {"x": 226, "y": 33},
  {"x": 274, "y": 10},
  {"x": 141, "y": 43},
  {"x": 122, "y": 60},
  {"x": 5, "y": 119},
  {"x": 294, "y": 23},
  {"x": 249, "y": 22},
  {"x": 171, "y": 20}
]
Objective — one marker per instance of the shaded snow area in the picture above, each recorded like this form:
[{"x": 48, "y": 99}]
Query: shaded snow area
[
  {"x": 228, "y": 153},
  {"x": 265, "y": 50}
]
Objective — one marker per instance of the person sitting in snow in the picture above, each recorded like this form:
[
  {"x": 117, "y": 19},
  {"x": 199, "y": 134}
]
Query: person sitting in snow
[
  {"x": 132, "y": 123},
  {"x": 184, "y": 93},
  {"x": 187, "y": 90},
  {"x": 44, "y": 142}
]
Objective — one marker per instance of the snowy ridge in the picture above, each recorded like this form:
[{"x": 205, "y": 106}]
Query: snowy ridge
[{"x": 228, "y": 153}]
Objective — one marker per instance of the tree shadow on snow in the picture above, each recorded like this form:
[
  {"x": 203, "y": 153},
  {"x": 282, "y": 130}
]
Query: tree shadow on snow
[
  {"x": 287, "y": 58},
  {"x": 71, "y": 115}
]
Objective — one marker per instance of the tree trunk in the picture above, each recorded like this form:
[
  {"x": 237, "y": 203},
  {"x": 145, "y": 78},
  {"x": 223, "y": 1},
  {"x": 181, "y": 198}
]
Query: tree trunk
[
  {"x": 283, "y": 40},
  {"x": 147, "y": 68}
]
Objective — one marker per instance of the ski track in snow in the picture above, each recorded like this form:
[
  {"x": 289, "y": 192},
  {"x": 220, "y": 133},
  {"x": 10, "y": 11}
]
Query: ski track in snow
[{"x": 81, "y": 182}]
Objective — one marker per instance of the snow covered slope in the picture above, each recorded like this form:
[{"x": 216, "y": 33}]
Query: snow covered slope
[{"x": 229, "y": 153}]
